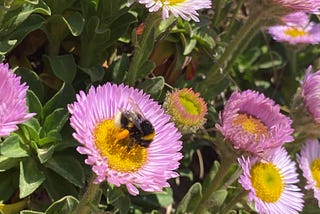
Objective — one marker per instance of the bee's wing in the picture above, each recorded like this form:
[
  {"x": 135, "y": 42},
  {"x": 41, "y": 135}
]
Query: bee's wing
[{"x": 136, "y": 108}]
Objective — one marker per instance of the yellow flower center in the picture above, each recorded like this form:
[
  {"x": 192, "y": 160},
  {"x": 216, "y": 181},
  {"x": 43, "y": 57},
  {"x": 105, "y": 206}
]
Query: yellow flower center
[
  {"x": 315, "y": 170},
  {"x": 251, "y": 125},
  {"x": 172, "y": 2},
  {"x": 267, "y": 181},
  {"x": 189, "y": 105},
  {"x": 113, "y": 142},
  {"x": 295, "y": 32}
]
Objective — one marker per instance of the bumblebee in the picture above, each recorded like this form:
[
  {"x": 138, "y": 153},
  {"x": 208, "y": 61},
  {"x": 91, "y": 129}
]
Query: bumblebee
[{"x": 139, "y": 129}]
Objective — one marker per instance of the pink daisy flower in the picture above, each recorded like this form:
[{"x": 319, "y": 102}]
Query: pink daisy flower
[
  {"x": 297, "y": 18},
  {"x": 310, "y": 90},
  {"x": 186, "y": 9},
  {"x": 310, "y": 6},
  {"x": 110, "y": 148},
  {"x": 13, "y": 107},
  {"x": 309, "y": 163},
  {"x": 308, "y": 34},
  {"x": 272, "y": 183},
  {"x": 253, "y": 123}
]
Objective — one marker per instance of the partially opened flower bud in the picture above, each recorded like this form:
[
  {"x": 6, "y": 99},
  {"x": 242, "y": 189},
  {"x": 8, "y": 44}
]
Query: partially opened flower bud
[
  {"x": 187, "y": 109},
  {"x": 306, "y": 105}
]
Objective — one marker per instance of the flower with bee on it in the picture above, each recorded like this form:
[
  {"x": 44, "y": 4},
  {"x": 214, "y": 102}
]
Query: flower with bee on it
[{"x": 122, "y": 152}]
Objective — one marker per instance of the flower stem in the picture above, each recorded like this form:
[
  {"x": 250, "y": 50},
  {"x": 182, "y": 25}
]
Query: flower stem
[
  {"x": 228, "y": 159},
  {"x": 142, "y": 49},
  {"x": 251, "y": 26},
  {"x": 89, "y": 198},
  {"x": 243, "y": 193}
]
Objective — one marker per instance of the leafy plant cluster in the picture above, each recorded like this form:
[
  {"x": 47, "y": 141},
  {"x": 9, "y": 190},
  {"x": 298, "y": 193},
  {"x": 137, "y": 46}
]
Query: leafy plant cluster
[{"x": 59, "y": 47}]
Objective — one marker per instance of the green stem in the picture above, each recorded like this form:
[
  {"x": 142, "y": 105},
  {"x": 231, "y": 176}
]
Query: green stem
[
  {"x": 89, "y": 198},
  {"x": 217, "y": 13},
  {"x": 229, "y": 158},
  {"x": 243, "y": 193},
  {"x": 151, "y": 23},
  {"x": 251, "y": 26}
]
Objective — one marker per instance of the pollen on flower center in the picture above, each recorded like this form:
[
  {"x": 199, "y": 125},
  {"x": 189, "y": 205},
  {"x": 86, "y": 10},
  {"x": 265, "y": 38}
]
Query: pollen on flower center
[
  {"x": 251, "y": 125},
  {"x": 267, "y": 181},
  {"x": 112, "y": 142},
  {"x": 295, "y": 32},
  {"x": 315, "y": 170},
  {"x": 172, "y": 2},
  {"x": 189, "y": 105}
]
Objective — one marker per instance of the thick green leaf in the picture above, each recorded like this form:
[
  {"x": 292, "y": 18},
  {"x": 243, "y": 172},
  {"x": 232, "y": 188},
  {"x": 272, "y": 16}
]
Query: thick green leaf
[
  {"x": 189, "y": 46},
  {"x": 66, "y": 204},
  {"x": 153, "y": 86},
  {"x": 217, "y": 199},
  {"x": 32, "y": 23},
  {"x": 30, "y": 212},
  {"x": 146, "y": 68},
  {"x": 31, "y": 129},
  {"x": 154, "y": 201},
  {"x": 33, "y": 81},
  {"x": 52, "y": 136},
  {"x": 45, "y": 153},
  {"x": 64, "y": 96},
  {"x": 30, "y": 177},
  {"x": 7, "y": 187},
  {"x": 123, "y": 204},
  {"x": 63, "y": 66},
  {"x": 57, "y": 186},
  {"x": 11, "y": 147},
  {"x": 95, "y": 73},
  {"x": 190, "y": 201},
  {"x": 75, "y": 23},
  {"x": 34, "y": 104},
  {"x": 119, "y": 69},
  {"x": 56, "y": 120},
  {"x": 7, "y": 163},
  {"x": 68, "y": 167}
]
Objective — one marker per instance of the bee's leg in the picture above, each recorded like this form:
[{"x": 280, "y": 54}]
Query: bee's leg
[
  {"x": 122, "y": 135},
  {"x": 130, "y": 145}
]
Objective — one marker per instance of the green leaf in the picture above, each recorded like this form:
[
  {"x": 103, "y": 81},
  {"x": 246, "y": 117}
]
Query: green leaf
[
  {"x": 7, "y": 163},
  {"x": 56, "y": 120},
  {"x": 63, "y": 97},
  {"x": 155, "y": 200},
  {"x": 217, "y": 199},
  {"x": 68, "y": 167},
  {"x": 112, "y": 193},
  {"x": 63, "y": 66},
  {"x": 30, "y": 212},
  {"x": 30, "y": 177},
  {"x": 75, "y": 23},
  {"x": 146, "y": 68},
  {"x": 120, "y": 26},
  {"x": 119, "y": 69},
  {"x": 95, "y": 73},
  {"x": 57, "y": 186},
  {"x": 31, "y": 129},
  {"x": 7, "y": 185},
  {"x": 123, "y": 204},
  {"x": 45, "y": 153},
  {"x": 66, "y": 204},
  {"x": 153, "y": 86},
  {"x": 189, "y": 46},
  {"x": 34, "y": 104},
  {"x": 9, "y": 42},
  {"x": 52, "y": 136},
  {"x": 11, "y": 147},
  {"x": 190, "y": 201},
  {"x": 33, "y": 81}
]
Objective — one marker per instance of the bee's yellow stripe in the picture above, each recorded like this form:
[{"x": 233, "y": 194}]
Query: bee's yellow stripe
[{"x": 149, "y": 136}]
